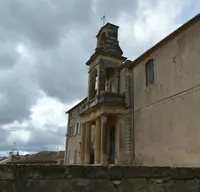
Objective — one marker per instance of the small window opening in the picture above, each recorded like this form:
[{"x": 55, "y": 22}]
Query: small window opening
[{"x": 150, "y": 76}]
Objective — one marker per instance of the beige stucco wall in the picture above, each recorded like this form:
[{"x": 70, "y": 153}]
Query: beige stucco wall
[
  {"x": 73, "y": 142},
  {"x": 167, "y": 114},
  {"x": 122, "y": 81},
  {"x": 74, "y": 150}
]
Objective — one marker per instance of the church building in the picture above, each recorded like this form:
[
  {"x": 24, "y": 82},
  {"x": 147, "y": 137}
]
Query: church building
[{"x": 141, "y": 112}]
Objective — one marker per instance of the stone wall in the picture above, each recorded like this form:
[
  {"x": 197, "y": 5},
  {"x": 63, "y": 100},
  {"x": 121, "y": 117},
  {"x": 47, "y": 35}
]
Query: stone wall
[{"x": 98, "y": 179}]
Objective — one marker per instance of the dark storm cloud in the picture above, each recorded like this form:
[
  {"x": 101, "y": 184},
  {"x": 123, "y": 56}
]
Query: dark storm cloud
[
  {"x": 48, "y": 24},
  {"x": 7, "y": 60},
  {"x": 112, "y": 9},
  {"x": 64, "y": 76},
  {"x": 18, "y": 92},
  {"x": 43, "y": 22},
  {"x": 39, "y": 139},
  {"x": 3, "y": 136}
]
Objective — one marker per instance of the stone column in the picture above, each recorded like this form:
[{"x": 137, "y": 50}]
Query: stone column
[
  {"x": 87, "y": 143},
  {"x": 108, "y": 143},
  {"x": 82, "y": 143},
  {"x": 118, "y": 139},
  {"x": 89, "y": 85},
  {"x": 103, "y": 140},
  {"x": 97, "y": 141}
]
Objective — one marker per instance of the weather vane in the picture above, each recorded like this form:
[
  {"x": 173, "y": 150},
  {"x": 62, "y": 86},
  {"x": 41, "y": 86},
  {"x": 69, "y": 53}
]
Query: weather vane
[{"x": 103, "y": 19}]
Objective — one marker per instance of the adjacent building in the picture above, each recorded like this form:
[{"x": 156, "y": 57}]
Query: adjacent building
[
  {"x": 141, "y": 112},
  {"x": 11, "y": 158},
  {"x": 42, "y": 158}
]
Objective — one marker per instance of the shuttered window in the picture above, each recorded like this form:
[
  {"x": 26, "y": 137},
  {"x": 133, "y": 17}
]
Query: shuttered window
[{"x": 150, "y": 75}]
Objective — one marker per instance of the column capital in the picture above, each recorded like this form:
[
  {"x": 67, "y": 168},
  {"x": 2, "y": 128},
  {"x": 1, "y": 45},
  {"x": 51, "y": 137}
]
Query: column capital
[{"x": 104, "y": 118}]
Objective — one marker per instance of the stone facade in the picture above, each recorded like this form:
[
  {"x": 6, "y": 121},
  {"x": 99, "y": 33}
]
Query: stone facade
[
  {"x": 166, "y": 113},
  {"x": 98, "y": 178},
  {"x": 73, "y": 136},
  {"x": 142, "y": 112}
]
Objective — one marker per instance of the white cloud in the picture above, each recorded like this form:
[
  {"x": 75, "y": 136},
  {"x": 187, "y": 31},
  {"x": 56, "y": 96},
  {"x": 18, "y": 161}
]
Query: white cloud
[
  {"x": 48, "y": 111},
  {"x": 152, "y": 21},
  {"x": 48, "y": 114}
]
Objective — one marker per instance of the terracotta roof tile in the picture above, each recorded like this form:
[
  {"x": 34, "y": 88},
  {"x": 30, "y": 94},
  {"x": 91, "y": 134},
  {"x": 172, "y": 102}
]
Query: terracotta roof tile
[{"x": 43, "y": 156}]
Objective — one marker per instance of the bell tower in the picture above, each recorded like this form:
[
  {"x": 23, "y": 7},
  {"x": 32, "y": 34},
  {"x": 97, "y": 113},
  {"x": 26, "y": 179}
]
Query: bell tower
[
  {"x": 105, "y": 109},
  {"x": 103, "y": 63},
  {"x": 107, "y": 40}
]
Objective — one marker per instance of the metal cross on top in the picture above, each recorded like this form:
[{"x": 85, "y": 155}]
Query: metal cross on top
[{"x": 103, "y": 19}]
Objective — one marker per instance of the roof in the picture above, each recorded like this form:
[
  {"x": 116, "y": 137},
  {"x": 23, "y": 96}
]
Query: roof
[
  {"x": 168, "y": 38},
  {"x": 11, "y": 159},
  {"x": 2, "y": 158},
  {"x": 81, "y": 102},
  {"x": 42, "y": 157}
]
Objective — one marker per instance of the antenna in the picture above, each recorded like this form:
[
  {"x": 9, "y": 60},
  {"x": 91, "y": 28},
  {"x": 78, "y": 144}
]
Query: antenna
[
  {"x": 103, "y": 20},
  {"x": 13, "y": 149}
]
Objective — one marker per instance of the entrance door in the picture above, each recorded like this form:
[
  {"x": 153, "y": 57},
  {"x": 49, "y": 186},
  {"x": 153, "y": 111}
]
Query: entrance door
[
  {"x": 112, "y": 145},
  {"x": 91, "y": 156}
]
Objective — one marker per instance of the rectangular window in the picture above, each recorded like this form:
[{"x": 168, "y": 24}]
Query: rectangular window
[
  {"x": 74, "y": 131},
  {"x": 150, "y": 77},
  {"x": 70, "y": 131},
  {"x": 70, "y": 115},
  {"x": 78, "y": 128}
]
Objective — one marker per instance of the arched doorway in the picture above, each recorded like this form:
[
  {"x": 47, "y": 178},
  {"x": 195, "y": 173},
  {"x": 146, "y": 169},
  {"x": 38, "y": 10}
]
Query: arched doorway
[{"x": 112, "y": 146}]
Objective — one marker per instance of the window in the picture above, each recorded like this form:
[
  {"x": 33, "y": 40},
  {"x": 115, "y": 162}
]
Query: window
[
  {"x": 150, "y": 78},
  {"x": 112, "y": 86},
  {"x": 74, "y": 131},
  {"x": 75, "y": 156},
  {"x": 70, "y": 131},
  {"x": 79, "y": 147},
  {"x": 77, "y": 128},
  {"x": 70, "y": 115},
  {"x": 96, "y": 82}
]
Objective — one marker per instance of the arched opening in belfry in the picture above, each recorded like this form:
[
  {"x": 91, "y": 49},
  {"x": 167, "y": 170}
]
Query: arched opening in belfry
[
  {"x": 102, "y": 40},
  {"x": 94, "y": 83},
  {"x": 110, "y": 80}
]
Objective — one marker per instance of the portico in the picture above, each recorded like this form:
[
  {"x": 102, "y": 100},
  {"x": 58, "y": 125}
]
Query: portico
[{"x": 105, "y": 140}]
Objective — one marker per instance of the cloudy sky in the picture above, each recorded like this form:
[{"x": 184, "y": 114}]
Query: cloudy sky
[{"x": 44, "y": 45}]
